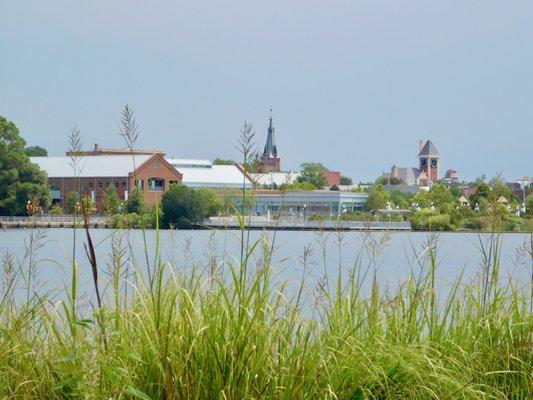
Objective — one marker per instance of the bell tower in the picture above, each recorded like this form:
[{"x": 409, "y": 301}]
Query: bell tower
[{"x": 429, "y": 161}]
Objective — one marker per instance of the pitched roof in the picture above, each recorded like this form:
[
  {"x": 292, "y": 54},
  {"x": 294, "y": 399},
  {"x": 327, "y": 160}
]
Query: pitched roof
[
  {"x": 90, "y": 166},
  {"x": 429, "y": 150},
  {"x": 270, "y": 150}
]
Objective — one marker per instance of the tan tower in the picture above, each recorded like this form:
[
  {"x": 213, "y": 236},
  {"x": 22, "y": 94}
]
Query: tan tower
[{"x": 429, "y": 160}]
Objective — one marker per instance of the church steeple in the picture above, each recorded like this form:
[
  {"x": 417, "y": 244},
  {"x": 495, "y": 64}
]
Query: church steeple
[
  {"x": 270, "y": 150},
  {"x": 269, "y": 160}
]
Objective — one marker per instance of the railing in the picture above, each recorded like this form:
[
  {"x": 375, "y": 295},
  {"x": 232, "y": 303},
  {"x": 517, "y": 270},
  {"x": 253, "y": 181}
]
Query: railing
[
  {"x": 314, "y": 225},
  {"x": 54, "y": 219}
]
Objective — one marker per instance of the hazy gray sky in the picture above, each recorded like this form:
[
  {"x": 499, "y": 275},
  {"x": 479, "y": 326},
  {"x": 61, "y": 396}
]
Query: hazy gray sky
[{"x": 353, "y": 84}]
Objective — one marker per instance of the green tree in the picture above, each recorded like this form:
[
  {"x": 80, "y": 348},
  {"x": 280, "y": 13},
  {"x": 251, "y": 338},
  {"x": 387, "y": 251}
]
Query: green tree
[
  {"x": 441, "y": 197},
  {"x": 182, "y": 207},
  {"x": 111, "y": 201},
  {"x": 221, "y": 161},
  {"x": 529, "y": 206},
  {"x": 296, "y": 187},
  {"x": 209, "y": 201},
  {"x": 401, "y": 199},
  {"x": 347, "y": 181},
  {"x": 135, "y": 203},
  {"x": 377, "y": 198},
  {"x": 87, "y": 205},
  {"x": 313, "y": 173},
  {"x": 388, "y": 180},
  {"x": 482, "y": 194},
  {"x": 72, "y": 203},
  {"x": 20, "y": 180},
  {"x": 36, "y": 151}
]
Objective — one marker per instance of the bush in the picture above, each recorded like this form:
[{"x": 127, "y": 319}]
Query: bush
[
  {"x": 56, "y": 209},
  {"x": 130, "y": 221}
]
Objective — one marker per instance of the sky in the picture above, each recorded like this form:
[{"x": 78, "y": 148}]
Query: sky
[{"x": 352, "y": 84}]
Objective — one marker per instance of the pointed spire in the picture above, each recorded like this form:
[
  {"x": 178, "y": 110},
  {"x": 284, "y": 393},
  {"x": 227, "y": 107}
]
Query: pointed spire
[{"x": 270, "y": 150}]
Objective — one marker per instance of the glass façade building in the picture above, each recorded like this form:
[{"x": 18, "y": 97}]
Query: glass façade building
[{"x": 322, "y": 202}]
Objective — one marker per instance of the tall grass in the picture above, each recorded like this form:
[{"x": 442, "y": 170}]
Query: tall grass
[{"x": 208, "y": 332}]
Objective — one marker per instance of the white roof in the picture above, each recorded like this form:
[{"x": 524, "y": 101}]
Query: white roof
[
  {"x": 275, "y": 178},
  {"x": 189, "y": 162},
  {"x": 218, "y": 176},
  {"x": 90, "y": 166}
]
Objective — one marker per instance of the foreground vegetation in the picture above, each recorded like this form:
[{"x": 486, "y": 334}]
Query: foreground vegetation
[{"x": 231, "y": 330}]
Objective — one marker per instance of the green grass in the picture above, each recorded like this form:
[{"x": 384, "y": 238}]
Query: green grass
[{"x": 231, "y": 331}]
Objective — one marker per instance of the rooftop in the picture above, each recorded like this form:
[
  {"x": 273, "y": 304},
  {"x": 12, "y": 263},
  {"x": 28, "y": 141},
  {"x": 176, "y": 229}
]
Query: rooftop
[
  {"x": 93, "y": 166},
  {"x": 428, "y": 150}
]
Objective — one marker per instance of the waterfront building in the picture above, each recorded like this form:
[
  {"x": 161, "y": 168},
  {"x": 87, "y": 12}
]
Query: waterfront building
[
  {"x": 328, "y": 203},
  {"x": 204, "y": 174},
  {"x": 151, "y": 173}
]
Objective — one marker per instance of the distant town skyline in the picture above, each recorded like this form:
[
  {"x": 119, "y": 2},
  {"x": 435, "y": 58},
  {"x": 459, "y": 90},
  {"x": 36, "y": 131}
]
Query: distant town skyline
[{"x": 354, "y": 85}]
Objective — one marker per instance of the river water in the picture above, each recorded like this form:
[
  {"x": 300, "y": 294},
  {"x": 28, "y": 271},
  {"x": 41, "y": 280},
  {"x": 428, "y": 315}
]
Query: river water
[{"x": 311, "y": 255}]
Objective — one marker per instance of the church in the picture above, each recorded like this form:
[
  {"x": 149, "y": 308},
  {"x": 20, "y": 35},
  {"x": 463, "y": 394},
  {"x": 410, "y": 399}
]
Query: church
[
  {"x": 427, "y": 172},
  {"x": 269, "y": 160}
]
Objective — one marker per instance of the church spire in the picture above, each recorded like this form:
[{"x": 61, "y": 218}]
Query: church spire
[{"x": 270, "y": 150}]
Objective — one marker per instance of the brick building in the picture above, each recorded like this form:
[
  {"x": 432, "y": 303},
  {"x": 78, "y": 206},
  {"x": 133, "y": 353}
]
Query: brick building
[{"x": 151, "y": 173}]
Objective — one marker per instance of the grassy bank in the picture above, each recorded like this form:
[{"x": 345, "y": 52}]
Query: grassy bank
[{"x": 230, "y": 330}]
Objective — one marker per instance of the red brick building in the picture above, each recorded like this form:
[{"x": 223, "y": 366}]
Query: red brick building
[{"x": 151, "y": 173}]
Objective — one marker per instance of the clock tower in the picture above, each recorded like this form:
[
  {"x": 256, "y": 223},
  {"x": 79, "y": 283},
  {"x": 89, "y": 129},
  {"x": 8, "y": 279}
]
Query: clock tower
[{"x": 429, "y": 161}]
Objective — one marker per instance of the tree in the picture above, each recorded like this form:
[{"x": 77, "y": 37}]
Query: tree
[
  {"x": 401, "y": 199},
  {"x": 482, "y": 194},
  {"x": 72, "y": 203},
  {"x": 111, "y": 201},
  {"x": 221, "y": 161},
  {"x": 313, "y": 173},
  {"x": 296, "y": 187},
  {"x": 441, "y": 196},
  {"x": 36, "y": 151},
  {"x": 87, "y": 205},
  {"x": 346, "y": 181},
  {"x": 20, "y": 180},
  {"x": 529, "y": 206},
  {"x": 135, "y": 203},
  {"x": 377, "y": 198},
  {"x": 209, "y": 201},
  {"x": 181, "y": 206},
  {"x": 388, "y": 180}
]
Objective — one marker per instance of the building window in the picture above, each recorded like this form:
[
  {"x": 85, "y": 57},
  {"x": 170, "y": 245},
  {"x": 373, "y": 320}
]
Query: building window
[
  {"x": 90, "y": 185},
  {"x": 156, "y": 164},
  {"x": 99, "y": 185},
  {"x": 124, "y": 184},
  {"x": 116, "y": 185},
  {"x": 156, "y": 185},
  {"x": 139, "y": 183}
]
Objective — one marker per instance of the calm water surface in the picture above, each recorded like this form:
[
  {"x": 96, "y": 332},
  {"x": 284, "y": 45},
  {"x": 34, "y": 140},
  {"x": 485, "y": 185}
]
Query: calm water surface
[{"x": 395, "y": 255}]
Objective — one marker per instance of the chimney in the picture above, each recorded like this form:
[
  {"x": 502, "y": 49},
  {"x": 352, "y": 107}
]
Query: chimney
[{"x": 421, "y": 144}]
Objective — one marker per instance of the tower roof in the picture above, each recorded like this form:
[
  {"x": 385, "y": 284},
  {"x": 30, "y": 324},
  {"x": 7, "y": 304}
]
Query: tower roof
[
  {"x": 270, "y": 150},
  {"x": 429, "y": 150}
]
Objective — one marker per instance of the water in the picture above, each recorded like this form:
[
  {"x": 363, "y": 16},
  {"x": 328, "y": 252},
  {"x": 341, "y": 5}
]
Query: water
[{"x": 396, "y": 255}]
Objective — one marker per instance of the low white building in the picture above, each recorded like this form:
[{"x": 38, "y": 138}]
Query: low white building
[
  {"x": 204, "y": 174},
  {"x": 273, "y": 180}
]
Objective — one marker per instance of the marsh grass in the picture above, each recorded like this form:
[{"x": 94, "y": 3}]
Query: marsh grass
[
  {"x": 229, "y": 329},
  {"x": 214, "y": 331}
]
